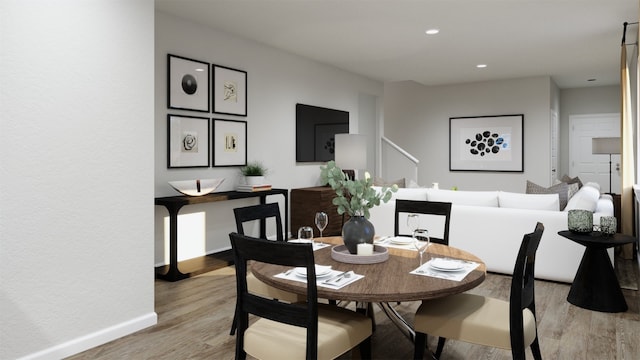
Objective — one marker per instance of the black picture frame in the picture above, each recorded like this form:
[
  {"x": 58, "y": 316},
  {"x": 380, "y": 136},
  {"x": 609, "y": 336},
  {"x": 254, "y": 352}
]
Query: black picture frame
[
  {"x": 492, "y": 143},
  {"x": 229, "y": 143},
  {"x": 187, "y": 84},
  {"x": 188, "y": 141},
  {"x": 229, "y": 94}
]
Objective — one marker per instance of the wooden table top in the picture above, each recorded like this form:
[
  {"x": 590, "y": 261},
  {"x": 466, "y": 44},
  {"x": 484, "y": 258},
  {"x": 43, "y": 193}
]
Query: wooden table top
[{"x": 388, "y": 281}]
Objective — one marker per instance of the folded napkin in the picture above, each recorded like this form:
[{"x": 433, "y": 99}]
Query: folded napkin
[
  {"x": 446, "y": 268},
  {"x": 336, "y": 280}
]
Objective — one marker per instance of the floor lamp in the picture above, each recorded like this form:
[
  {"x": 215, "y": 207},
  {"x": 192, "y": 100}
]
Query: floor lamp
[{"x": 606, "y": 145}]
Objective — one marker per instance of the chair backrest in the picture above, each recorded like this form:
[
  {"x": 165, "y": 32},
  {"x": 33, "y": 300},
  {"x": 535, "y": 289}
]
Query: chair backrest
[
  {"x": 522, "y": 287},
  {"x": 441, "y": 209},
  {"x": 259, "y": 212},
  {"x": 280, "y": 253}
]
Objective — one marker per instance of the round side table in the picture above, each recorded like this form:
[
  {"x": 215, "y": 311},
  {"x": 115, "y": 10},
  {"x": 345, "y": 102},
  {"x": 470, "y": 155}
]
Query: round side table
[{"x": 595, "y": 286}]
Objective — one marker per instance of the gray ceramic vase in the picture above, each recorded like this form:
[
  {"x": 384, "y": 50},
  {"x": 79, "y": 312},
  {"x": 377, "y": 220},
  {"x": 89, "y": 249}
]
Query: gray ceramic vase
[{"x": 356, "y": 231}]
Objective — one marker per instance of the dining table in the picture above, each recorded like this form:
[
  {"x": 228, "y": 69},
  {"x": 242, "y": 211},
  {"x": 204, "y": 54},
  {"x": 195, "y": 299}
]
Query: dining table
[{"x": 385, "y": 283}]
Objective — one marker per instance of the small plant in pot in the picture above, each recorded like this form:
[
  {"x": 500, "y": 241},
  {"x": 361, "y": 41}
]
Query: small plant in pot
[
  {"x": 355, "y": 197},
  {"x": 254, "y": 173}
]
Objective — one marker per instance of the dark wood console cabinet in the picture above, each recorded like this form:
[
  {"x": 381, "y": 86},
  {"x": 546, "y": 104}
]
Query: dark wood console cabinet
[{"x": 305, "y": 202}]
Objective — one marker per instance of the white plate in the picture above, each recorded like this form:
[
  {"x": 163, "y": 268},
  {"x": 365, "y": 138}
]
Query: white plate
[
  {"x": 446, "y": 265},
  {"x": 401, "y": 240},
  {"x": 321, "y": 270}
]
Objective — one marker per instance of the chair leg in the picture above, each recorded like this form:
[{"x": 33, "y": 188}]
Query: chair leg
[
  {"x": 441, "y": 342},
  {"x": 234, "y": 325},
  {"x": 419, "y": 345},
  {"x": 365, "y": 349},
  {"x": 535, "y": 349}
]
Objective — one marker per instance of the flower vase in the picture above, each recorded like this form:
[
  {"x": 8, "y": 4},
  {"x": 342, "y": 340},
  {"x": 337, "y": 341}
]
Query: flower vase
[{"x": 356, "y": 231}]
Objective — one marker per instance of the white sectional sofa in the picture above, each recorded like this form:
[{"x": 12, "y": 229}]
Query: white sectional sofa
[{"x": 491, "y": 224}]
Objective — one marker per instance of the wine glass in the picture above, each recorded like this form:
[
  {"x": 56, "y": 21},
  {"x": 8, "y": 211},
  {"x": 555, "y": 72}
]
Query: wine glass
[
  {"x": 421, "y": 241},
  {"x": 413, "y": 222},
  {"x": 306, "y": 233},
  {"x": 322, "y": 220}
]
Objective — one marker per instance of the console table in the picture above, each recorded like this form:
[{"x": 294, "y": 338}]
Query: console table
[
  {"x": 596, "y": 286},
  {"x": 175, "y": 203}
]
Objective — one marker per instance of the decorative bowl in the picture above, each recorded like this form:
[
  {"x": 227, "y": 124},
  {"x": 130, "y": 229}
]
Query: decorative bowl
[{"x": 196, "y": 187}]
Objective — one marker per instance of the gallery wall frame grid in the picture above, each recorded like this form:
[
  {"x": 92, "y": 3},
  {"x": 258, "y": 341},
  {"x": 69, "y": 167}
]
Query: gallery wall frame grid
[
  {"x": 229, "y": 142},
  {"x": 188, "y": 141},
  {"x": 188, "y": 84},
  {"x": 493, "y": 143},
  {"x": 229, "y": 94}
]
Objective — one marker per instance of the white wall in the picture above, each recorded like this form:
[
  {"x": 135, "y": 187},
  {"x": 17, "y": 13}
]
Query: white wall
[
  {"x": 417, "y": 119},
  {"x": 583, "y": 101},
  {"x": 76, "y": 213},
  {"x": 276, "y": 82}
]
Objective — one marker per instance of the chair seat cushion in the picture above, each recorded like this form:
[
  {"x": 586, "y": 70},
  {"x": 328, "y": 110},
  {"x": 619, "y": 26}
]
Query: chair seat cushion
[
  {"x": 472, "y": 318},
  {"x": 339, "y": 330},
  {"x": 257, "y": 287}
]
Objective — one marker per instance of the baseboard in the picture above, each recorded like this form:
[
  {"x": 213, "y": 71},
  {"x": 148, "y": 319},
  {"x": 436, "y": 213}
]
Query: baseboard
[{"x": 97, "y": 338}]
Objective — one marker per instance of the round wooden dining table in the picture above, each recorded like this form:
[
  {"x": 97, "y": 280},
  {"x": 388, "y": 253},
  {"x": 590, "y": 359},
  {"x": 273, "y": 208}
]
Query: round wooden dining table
[
  {"x": 388, "y": 281},
  {"x": 383, "y": 283}
]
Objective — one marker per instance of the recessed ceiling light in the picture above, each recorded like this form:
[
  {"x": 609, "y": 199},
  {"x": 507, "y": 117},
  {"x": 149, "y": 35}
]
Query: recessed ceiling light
[
  {"x": 591, "y": 80},
  {"x": 432, "y": 31},
  {"x": 199, "y": 69},
  {"x": 481, "y": 66}
]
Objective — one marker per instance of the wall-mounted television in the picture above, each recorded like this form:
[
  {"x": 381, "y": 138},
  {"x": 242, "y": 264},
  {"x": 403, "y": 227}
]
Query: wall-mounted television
[{"x": 315, "y": 132}]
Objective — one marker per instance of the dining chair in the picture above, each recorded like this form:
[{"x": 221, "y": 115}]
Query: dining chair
[
  {"x": 484, "y": 320},
  {"x": 262, "y": 212},
  {"x": 282, "y": 330},
  {"x": 440, "y": 210}
]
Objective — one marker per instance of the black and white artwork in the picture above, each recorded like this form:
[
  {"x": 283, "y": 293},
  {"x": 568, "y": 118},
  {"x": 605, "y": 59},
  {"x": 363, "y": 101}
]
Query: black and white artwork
[
  {"x": 188, "y": 141},
  {"x": 229, "y": 91},
  {"x": 188, "y": 84}
]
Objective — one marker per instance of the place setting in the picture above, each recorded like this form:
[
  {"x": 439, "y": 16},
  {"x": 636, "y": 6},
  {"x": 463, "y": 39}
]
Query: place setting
[
  {"x": 305, "y": 236},
  {"x": 446, "y": 268},
  {"x": 325, "y": 276}
]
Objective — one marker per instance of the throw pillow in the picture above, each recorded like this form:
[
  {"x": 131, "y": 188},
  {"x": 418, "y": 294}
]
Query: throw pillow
[
  {"x": 382, "y": 182},
  {"x": 569, "y": 180},
  {"x": 561, "y": 189},
  {"x": 529, "y": 201}
]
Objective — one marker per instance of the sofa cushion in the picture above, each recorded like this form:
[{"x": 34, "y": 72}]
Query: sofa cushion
[
  {"x": 473, "y": 198},
  {"x": 529, "y": 201},
  {"x": 585, "y": 199},
  {"x": 407, "y": 193},
  {"x": 562, "y": 189}
]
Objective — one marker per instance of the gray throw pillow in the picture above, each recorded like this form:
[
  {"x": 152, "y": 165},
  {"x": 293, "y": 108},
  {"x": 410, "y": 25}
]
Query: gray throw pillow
[
  {"x": 569, "y": 180},
  {"x": 562, "y": 189}
]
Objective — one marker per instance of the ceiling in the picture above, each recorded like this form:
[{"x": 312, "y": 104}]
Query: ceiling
[{"x": 570, "y": 40}]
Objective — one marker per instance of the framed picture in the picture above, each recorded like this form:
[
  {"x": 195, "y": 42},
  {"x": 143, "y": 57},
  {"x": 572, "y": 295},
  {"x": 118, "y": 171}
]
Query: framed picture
[
  {"x": 229, "y": 91},
  {"x": 187, "y": 84},
  {"x": 486, "y": 143},
  {"x": 188, "y": 141},
  {"x": 229, "y": 142}
]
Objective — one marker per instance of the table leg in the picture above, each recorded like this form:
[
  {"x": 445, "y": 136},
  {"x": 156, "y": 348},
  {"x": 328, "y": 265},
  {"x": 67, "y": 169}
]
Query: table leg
[
  {"x": 398, "y": 320},
  {"x": 173, "y": 274},
  {"x": 596, "y": 286}
]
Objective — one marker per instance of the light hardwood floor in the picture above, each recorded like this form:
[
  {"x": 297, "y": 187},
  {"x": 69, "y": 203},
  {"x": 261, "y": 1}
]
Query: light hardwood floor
[{"x": 194, "y": 316}]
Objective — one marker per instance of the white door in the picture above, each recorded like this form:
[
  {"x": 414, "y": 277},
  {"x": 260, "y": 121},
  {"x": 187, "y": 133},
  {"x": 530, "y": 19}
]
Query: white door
[{"x": 582, "y": 162}]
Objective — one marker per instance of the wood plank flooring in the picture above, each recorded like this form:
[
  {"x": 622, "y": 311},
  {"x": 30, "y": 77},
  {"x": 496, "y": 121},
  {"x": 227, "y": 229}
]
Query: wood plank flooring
[{"x": 194, "y": 316}]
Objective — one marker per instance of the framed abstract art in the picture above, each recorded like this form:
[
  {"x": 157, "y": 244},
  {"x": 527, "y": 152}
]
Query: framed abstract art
[
  {"x": 188, "y": 141},
  {"x": 188, "y": 84}
]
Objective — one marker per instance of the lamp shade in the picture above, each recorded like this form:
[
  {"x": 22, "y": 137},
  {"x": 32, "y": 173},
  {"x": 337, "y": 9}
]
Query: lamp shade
[
  {"x": 605, "y": 145},
  {"x": 351, "y": 151}
]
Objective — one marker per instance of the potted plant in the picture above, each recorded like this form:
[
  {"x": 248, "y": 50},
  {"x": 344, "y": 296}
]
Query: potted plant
[
  {"x": 254, "y": 173},
  {"x": 355, "y": 198}
]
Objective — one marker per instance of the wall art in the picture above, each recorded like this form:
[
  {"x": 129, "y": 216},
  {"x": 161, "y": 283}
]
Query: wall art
[
  {"x": 229, "y": 142},
  {"x": 188, "y": 141},
  {"x": 486, "y": 143},
  {"x": 229, "y": 91},
  {"x": 187, "y": 84}
]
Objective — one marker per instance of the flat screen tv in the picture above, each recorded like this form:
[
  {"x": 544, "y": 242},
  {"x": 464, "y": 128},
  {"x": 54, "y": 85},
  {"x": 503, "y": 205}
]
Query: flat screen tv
[{"x": 315, "y": 132}]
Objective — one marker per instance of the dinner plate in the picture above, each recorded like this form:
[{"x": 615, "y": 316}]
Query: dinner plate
[
  {"x": 446, "y": 265},
  {"x": 401, "y": 240},
  {"x": 321, "y": 271}
]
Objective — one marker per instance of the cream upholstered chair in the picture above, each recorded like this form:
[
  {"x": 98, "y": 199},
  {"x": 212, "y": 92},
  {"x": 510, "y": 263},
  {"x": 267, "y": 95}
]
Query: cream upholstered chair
[
  {"x": 262, "y": 212},
  {"x": 441, "y": 209},
  {"x": 487, "y": 321},
  {"x": 304, "y": 330}
]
